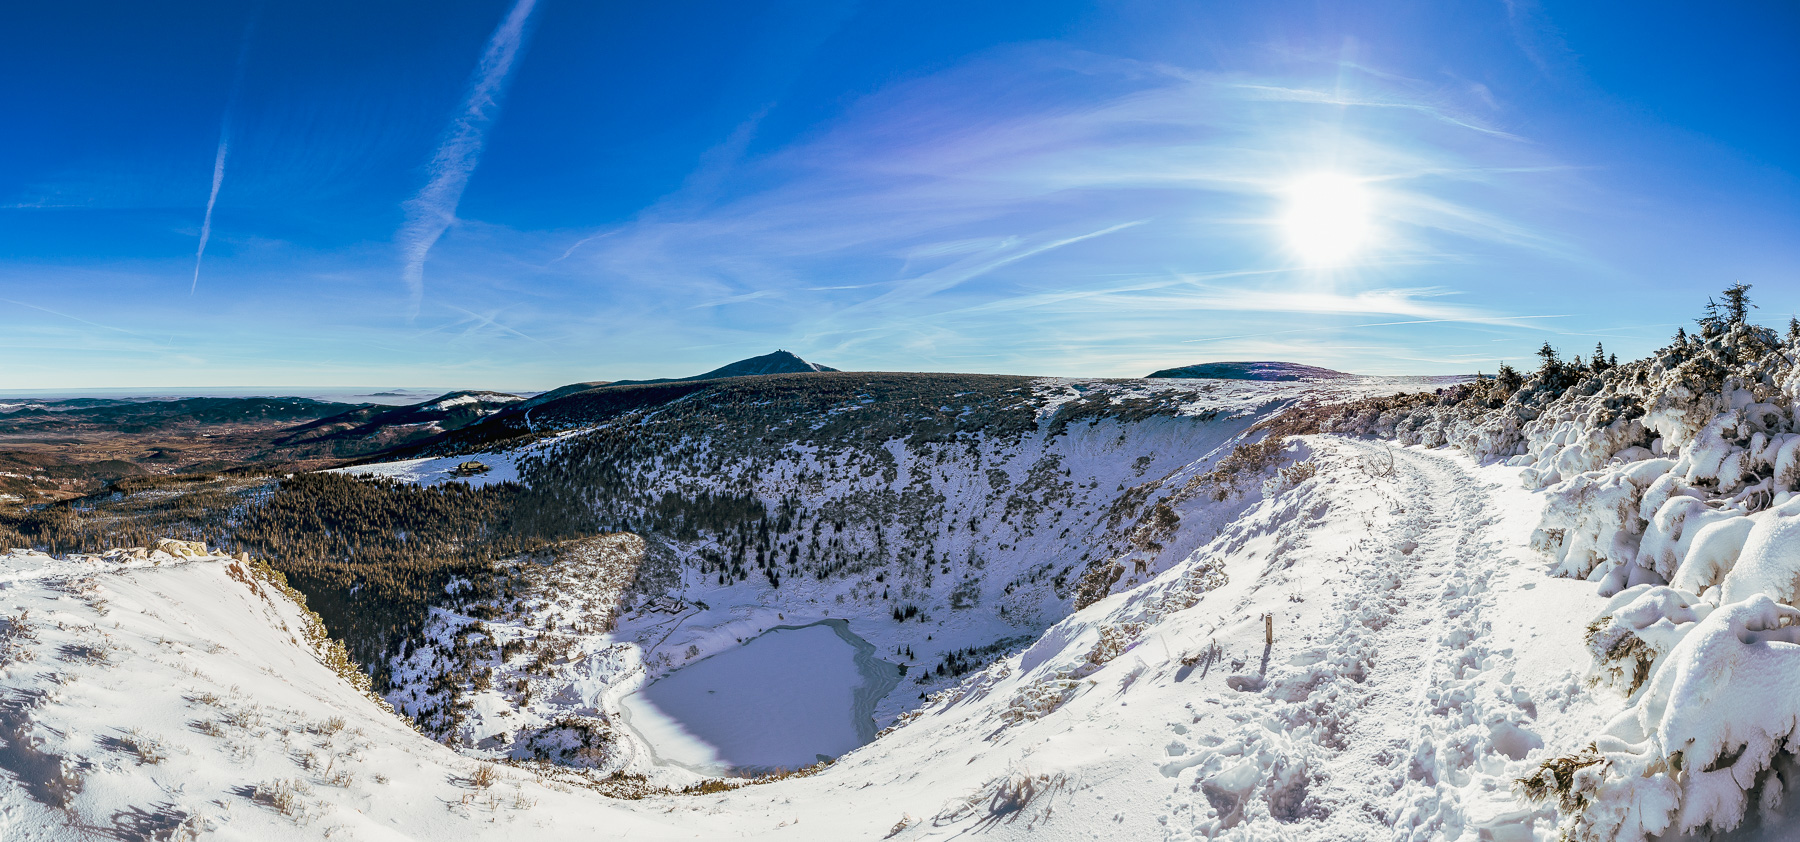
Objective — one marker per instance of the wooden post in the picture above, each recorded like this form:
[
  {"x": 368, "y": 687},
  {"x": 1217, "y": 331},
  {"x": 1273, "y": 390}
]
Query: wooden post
[{"x": 1269, "y": 629}]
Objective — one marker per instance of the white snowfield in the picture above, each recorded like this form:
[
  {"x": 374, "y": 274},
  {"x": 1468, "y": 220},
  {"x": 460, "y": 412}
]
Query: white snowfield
[
  {"x": 501, "y": 467},
  {"x": 1374, "y": 652},
  {"x": 465, "y": 400}
]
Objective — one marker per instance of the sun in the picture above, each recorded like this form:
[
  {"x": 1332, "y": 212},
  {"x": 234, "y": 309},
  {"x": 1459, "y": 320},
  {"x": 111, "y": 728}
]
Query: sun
[{"x": 1327, "y": 217}]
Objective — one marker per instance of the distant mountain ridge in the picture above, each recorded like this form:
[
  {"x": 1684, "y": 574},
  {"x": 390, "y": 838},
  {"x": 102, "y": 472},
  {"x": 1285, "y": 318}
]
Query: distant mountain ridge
[
  {"x": 1259, "y": 370},
  {"x": 779, "y": 362},
  {"x": 374, "y": 427}
]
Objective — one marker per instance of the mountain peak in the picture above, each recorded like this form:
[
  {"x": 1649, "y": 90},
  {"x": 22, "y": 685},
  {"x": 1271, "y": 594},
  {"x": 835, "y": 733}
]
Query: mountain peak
[{"x": 778, "y": 362}]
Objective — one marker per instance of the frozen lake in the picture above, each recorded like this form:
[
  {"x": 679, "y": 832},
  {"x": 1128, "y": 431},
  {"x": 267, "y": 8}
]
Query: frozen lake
[{"x": 785, "y": 699}]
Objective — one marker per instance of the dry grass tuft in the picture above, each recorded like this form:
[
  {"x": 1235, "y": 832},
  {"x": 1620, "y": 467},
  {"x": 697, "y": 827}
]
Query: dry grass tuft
[
  {"x": 1621, "y": 658},
  {"x": 1555, "y": 779}
]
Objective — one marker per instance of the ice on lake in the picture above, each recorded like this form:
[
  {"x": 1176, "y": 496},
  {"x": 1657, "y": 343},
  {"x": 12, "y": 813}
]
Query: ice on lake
[{"x": 789, "y": 697}]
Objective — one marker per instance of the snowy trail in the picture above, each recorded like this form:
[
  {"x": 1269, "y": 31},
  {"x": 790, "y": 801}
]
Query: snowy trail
[
  {"x": 1425, "y": 584},
  {"x": 1406, "y": 713}
]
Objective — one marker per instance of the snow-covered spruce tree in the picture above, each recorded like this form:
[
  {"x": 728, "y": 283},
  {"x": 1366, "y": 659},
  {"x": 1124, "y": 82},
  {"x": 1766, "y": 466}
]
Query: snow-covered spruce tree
[{"x": 1673, "y": 482}]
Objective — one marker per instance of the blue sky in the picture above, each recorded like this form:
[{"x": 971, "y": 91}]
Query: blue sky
[{"x": 528, "y": 193}]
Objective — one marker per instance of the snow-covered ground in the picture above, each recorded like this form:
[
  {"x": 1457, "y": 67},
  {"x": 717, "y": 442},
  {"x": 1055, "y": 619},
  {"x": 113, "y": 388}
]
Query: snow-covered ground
[
  {"x": 1374, "y": 652},
  {"x": 174, "y": 698}
]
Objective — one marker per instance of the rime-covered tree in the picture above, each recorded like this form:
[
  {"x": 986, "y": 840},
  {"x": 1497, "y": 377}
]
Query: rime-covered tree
[
  {"x": 1737, "y": 303},
  {"x": 1712, "y": 323},
  {"x": 1793, "y": 329},
  {"x": 1599, "y": 362},
  {"x": 1550, "y": 361},
  {"x": 1509, "y": 378}
]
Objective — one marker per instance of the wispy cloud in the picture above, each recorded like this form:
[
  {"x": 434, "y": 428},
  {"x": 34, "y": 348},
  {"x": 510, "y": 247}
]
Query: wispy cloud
[
  {"x": 218, "y": 174},
  {"x": 1066, "y": 210},
  {"x": 1507, "y": 321},
  {"x": 963, "y": 271},
  {"x": 77, "y": 319},
  {"x": 736, "y": 299},
  {"x": 431, "y": 212}
]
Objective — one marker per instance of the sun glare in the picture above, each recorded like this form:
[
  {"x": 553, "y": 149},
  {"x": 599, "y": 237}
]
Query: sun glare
[{"x": 1327, "y": 217}]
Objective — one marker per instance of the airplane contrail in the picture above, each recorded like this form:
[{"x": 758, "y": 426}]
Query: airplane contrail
[
  {"x": 430, "y": 213},
  {"x": 218, "y": 178},
  {"x": 211, "y": 200}
]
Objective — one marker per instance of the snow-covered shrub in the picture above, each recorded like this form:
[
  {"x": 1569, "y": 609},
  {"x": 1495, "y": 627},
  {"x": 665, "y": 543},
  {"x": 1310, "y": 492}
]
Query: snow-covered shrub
[
  {"x": 1114, "y": 640},
  {"x": 1041, "y": 698},
  {"x": 1637, "y": 628},
  {"x": 575, "y": 741},
  {"x": 16, "y": 636},
  {"x": 1246, "y": 462},
  {"x": 1290, "y": 476},
  {"x": 1708, "y": 737},
  {"x": 148, "y": 749}
]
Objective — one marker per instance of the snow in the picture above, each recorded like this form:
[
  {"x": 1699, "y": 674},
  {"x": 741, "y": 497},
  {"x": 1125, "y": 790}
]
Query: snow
[
  {"x": 164, "y": 698},
  {"x": 1672, "y": 483},
  {"x": 464, "y": 400},
  {"x": 502, "y": 467},
  {"x": 1422, "y": 657},
  {"x": 786, "y": 699},
  {"x": 1380, "y": 647}
]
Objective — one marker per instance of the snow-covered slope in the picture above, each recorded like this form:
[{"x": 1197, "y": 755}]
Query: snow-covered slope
[
  {"x": 1406, "y": 682},
  {"x": 940, "y": 554},
  {"x": 1414, "y": 660},
  {"x": 1122, "y": 613},
  {"x": 185, "y": 697}
]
